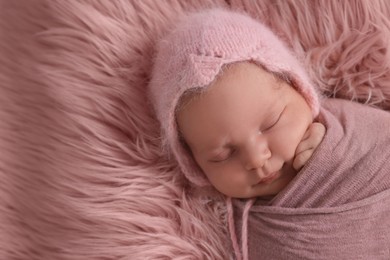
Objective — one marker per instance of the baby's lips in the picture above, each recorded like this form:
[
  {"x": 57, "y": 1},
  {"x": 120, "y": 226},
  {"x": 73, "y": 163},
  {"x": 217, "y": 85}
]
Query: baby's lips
[{"x": 270, "y": 179}]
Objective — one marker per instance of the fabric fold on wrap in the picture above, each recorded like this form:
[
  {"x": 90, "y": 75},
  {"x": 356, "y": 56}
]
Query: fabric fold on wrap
[{"x": 338, "y": 206}]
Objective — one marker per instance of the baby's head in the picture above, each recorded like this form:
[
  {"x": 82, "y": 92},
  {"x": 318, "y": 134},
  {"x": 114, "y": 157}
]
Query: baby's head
[{"x": 233, "y": 103}]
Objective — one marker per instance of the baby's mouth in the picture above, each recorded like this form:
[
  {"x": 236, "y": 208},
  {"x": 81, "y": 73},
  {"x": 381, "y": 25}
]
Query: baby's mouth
[{"x": 271, "y": 178}]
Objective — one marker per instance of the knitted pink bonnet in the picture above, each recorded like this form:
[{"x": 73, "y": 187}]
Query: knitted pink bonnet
[{"x": 191, "y": 56}]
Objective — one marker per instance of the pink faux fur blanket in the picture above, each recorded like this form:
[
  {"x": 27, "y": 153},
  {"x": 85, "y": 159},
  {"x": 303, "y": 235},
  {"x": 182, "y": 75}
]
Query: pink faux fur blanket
[
  {"x": 338, "y": 205},
  {"x": 82, "y": 175}
]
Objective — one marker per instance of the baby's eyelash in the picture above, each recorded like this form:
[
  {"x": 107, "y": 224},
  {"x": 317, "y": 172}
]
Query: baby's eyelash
[
  {"x": 225, "y": 159},
  {"x": 272, "y": 125},
  {"x": 276, "y": 121}
]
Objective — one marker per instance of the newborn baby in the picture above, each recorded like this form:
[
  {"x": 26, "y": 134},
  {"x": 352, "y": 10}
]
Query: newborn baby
[{"x": 238, "y": 111}]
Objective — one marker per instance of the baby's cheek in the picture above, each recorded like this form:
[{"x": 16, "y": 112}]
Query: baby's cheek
[
  {"x": 285, "y": 145},
  {"x": 228, "y": 179}
]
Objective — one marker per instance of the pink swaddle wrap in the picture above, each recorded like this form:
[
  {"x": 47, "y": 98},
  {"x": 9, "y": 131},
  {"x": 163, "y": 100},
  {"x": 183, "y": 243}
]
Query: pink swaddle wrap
[{"x": 338, "y": 206}]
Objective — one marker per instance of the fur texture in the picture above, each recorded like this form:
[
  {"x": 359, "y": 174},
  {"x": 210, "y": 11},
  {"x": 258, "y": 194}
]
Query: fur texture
[
  {"x": 82, "y": 175},
  {"x": 345, "y": 44}
]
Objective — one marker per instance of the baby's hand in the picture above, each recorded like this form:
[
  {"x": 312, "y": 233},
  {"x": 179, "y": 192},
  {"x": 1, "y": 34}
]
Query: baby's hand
[{"x": 312, "y": 138}]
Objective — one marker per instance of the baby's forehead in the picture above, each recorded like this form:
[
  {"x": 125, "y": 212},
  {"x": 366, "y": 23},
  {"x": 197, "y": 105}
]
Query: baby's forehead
[
  {"x": 241, "y": 73},
  {"x": 241, "y": 99}
]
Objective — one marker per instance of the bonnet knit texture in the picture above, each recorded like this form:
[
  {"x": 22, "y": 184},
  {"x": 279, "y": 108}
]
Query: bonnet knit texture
[{"x": 192, "y": 55}]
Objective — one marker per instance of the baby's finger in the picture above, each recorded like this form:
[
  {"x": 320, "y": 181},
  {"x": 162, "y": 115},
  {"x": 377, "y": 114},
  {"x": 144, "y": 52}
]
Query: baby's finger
[
  {"x": 315, "y": 133},
  {"x": 304, "y": 145},
  {"x": 309, "y": 132},
  {"x": 301, "y": 159},
  {"x": 318, "y": 130}
]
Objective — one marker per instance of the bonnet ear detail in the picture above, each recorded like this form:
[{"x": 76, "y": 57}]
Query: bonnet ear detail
[{"x": 204, "y": 69}]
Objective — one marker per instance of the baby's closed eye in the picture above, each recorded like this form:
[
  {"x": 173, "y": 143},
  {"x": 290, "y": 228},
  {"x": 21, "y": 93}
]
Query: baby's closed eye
[
  {"x": 223, "y": 156},
  {"x": 273, "y": 121}
]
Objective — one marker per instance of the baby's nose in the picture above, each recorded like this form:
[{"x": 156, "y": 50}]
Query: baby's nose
[{"x": 257, "y": 155}]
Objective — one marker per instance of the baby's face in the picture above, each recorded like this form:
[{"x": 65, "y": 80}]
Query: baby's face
[{"x": 243, "y": 132}]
